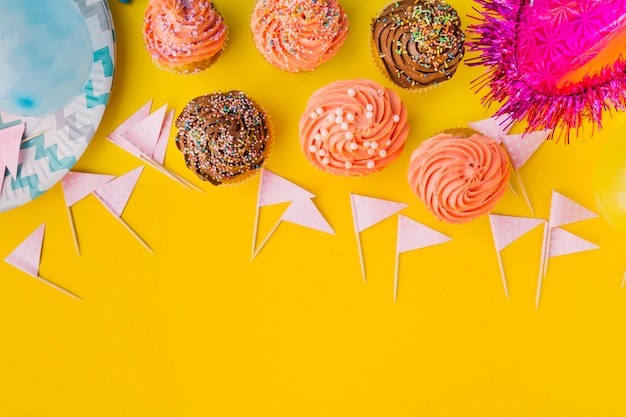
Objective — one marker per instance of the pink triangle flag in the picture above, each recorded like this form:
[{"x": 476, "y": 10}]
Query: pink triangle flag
[
  {"x": 507, "y": 229},
  {"x": 10, "y": 139},
  {"x": 274, "y": 189},
  {"x": 494, "y": 127},
  {"x": 164, "y": 137},
  {"x": 116, "y": 193},
  {"x": 414, "y": 235},
  {"x": 78, "y": 185},
  {"x": 135, "y": 118},
  {"x": 565, "y": 243},
  {"x": 522, "y": 146},
  {"x": 368, "y": 211},
  {"x": 565, "y": 211},
  {"x": 305, "y": 213},
  {"x": 27, "y": 255},
  {"x": 145, "y": 134}
]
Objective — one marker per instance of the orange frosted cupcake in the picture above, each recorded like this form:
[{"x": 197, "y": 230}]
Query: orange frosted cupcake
[
  {"x": 353, "y": 127},
  {"x": 183, "y": 36},
  {"x": 459, "y": 176},
  {"x": 298, "y": 35}
]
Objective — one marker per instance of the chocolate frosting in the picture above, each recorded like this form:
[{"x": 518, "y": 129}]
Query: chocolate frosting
[
  {"x": 222, "y": 136},
  {"x": 419, "y": 43}
]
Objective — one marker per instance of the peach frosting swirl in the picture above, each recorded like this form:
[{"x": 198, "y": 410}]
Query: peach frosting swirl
[
  {"x": 181, "y": 32},
  {"x": 458, "y": 178},
  {"x": 353, "y": 127},
  {"x": 298, "y": 35}
]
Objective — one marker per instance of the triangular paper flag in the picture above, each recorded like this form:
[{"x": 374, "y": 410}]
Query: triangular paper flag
[
  {"x": 414, "y": 235},
  {"x": 305, "y": 213},
  {"x": 116, "y": 193},
  {"x": 522, "y": 146},
  {"x": 27, "y": 255},
  {"x": 495, "y": 127},
  {"x": 274, "y": 189},
  {"x": 78, "y": 185},
  {"x": 368, "y": 211},
  {"x": 10, "y": 139},
  {"x": 135, "y": 118},
  {"x": 565, "y": 243},
  {"x": 145, "y": 134},
  {"x": 565, "y": 211},
  {"x": 164, "y": 137},
  {"x": 507, "y": 229}
]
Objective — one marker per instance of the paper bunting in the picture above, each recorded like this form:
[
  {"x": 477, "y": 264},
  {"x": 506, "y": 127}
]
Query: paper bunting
[
  {"x": 368, "y": 211},
  {"x": 565, "y": 211},
  {"x": 76, "y": 186},
  {"x": 413, "y": 235},
  {"x": 506, "y": 230},
  {"x": 115, "y": 194},
  {"x": 494, "y": 127},
  {"x": 10, "y": 139},
  {"x": 145, "y": 136},
  {"x": 274, "y": 189},
  {"x": 303, "y": 213},
  {"x": 27, "y": 256},
  {"x": 566, "y": 243}
]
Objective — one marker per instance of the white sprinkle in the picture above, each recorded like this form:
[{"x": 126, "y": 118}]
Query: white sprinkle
[
  {"x": 319, "y": 110},
  {"x": 317, "y": 136},
  {"x": 374, "y": 145},
  {"x": 354, "y": 146},
  {"x": 396, "y": 118},
  {"x": 344, "y": 126},
  {"x": 348, "y": 164},
  {"x": 381, "y": 92},
  {"x": 325, "y": 161},
  {"x": 371, "y": 151},
  {"x": 324, "y": 133},
  {"x": 314, "y": 115},
  {"x": 322, "y": 153},
  {"x": 366, "y": 144},
  {"x": 339, "y": 111},
  {"x": 369, "y": 107},
  {"x": 350, "y": 117},
  {"x": 351, "y": 92},
  {"x": 339, "y": 120},
  {"x": 388, "y": 143},
  {"x": 369, "y": 115},
  {"x": 330, "y": 118},
  {"x": 370, "y": 164},
  {"x": 382, "y": 153},
  {"x": 349, "y": 135},
  {"x": 313, "y": 148}
]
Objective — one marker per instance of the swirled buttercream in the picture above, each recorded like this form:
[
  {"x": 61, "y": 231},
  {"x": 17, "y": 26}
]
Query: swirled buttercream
[
  {"x": 184, "y": 36},
  {"x": 353, "y": 127},
  {"x": 459, "y": 178},
  {"x": 223, "y": 136},
  {"x": 298, "y": 35},
  {"x": 418, "y": 43}
]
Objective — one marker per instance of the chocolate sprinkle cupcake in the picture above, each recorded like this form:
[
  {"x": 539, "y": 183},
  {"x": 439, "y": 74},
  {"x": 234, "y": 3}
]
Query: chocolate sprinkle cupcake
[
  {"x": 223, "y": 136},
  {"x": 418, "y": 43}
]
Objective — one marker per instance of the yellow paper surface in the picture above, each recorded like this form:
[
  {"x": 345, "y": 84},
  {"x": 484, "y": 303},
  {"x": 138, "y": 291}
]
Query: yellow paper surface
[{"x": 198, "y": 330}]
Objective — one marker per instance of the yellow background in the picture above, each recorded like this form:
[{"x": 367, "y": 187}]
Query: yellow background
[{"x": 199, "y": 330}]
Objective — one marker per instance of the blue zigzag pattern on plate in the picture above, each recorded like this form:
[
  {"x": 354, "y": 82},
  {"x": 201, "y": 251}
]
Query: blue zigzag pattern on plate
[
  {"x": 54, "y": 164},
  {"x": 104, "y": 55},
  {"x": 93, "y": 100}
]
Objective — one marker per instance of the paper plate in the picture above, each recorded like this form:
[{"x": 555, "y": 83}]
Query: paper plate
[{"x": 47, "y": 157}]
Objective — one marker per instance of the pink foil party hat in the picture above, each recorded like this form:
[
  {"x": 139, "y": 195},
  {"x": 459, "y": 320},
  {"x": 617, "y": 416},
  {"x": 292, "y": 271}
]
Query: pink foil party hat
[{"x": 557, "y": 63}]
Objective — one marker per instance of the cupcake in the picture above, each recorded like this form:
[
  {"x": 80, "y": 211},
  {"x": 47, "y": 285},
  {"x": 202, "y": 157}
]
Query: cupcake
[
  {"x": 183, "y": 36},
  {"x": 298, "y": 35},
  {"x": 459, "y": 175},
  {"x": 353, "y": 127},
  {"x": 224, "y": 137},
  {"x": 418, "y": 43}
]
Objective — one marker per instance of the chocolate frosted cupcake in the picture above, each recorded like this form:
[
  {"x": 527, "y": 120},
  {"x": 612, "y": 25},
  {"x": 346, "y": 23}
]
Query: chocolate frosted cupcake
[
  {"x": 225, "y": 137},
  {"x": 418, "y": 43}
]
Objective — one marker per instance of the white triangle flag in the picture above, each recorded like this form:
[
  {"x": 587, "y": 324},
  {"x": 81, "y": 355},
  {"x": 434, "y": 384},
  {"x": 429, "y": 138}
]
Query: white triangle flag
[
  {"x": 413, "y": 235},
  {"x": 565, "y": 243},
  {"x": 27, "y": 256},
  {"x": 495, "y": 127},
  {"x": 10, "y": 140},
  {"x": 303, "y": 213},
  {"x": 522, "y": 146}
]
